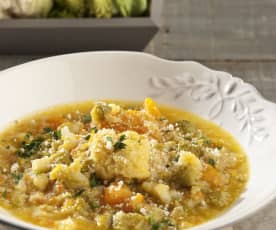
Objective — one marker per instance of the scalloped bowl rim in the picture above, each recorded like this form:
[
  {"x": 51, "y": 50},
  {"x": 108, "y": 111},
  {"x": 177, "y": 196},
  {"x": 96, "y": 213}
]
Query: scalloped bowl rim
[{"x": 20, "y": 67}]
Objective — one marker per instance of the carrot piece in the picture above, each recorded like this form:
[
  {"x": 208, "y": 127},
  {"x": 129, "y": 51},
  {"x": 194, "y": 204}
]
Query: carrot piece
[{"x": 116, "y": 193}]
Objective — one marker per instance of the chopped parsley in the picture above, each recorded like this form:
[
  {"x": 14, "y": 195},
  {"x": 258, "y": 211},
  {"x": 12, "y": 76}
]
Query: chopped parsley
[
  {"x": 211, "y": 162},
  {"x": 93, "y": 180},
  {"x": 94, "y": 130},
  {"x": 87, "y": 137},
  {"x": 27, "y": 136},
  {"x": 155, "y": 225},
  {"x": 57, "y": 134},
  {"x": 119, "y": 144},
  {"x": 47, "y": 130},
  {"x": 78, "y": 193},
  {"x": 16, "y": 177},
  {"x": 86, "y": 118},
  {"x": 160, "y": 225},
  {"x": 28, "y": 149}
]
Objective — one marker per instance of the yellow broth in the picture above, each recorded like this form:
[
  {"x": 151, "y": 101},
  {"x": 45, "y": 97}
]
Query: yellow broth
[{"x": 119, "y": 165}]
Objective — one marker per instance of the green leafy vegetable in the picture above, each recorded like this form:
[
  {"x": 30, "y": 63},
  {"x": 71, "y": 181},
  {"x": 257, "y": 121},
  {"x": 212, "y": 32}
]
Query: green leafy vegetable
[
  {"x": 129, "y": 8},
  {"x": 68, "y": 8},
  {"x": 119, "y": 144},
  {"x": 101, "y": 8}
]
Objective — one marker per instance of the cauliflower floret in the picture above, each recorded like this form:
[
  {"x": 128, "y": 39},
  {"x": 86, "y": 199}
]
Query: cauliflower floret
[
  {"x": 160, "y": 191},
  {"x": 129, "y": 156},
  {"x": 126, "y": 221},
  {"x": 71, "y": 175},
  {"x": 41, "y": 165},
  {"x": 188, "y": 169}
]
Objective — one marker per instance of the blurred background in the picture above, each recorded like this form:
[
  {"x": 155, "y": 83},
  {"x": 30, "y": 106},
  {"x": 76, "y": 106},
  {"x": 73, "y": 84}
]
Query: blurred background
[{"x": 236, "y": 36}]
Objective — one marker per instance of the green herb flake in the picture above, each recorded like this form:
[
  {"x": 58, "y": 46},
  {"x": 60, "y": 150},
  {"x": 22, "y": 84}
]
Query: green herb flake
[
  {"x": 27, "y": 136},
  {"x": 94, "y": 130},
  {"x": 57, "y": 134},
  {"x": 8, "y": 147},
  {"x": 211, "y": 162},
  {"x": 93, "y": 180},
  {"x": 87, "y": 137},
  {"x": 160, "y": 225},
  {"x": 119, "y": 144},
  {"x": 78, "y": 193},
  {"x": 4, "y": 194},
  {"x": 155, "y": 225},
  {"x": 16, "y": 177},
  {"x": 47, "y": 130},
  {"x": 28, "y": 149},
  {"x": 86, "y": 118}
]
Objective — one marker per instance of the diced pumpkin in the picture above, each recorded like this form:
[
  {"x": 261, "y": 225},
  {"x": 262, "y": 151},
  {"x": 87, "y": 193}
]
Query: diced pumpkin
[
  {"x": 212, "y": 176},
  {"x": 151, "y": 108},
  {"x": 116, "y": 193}
]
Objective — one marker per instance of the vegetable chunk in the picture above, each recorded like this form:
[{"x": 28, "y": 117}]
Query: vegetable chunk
[
  {"x": 127, "y": 221},
  {"x": 188, "y": 169},
  {"x": 130, "y": 160}
]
